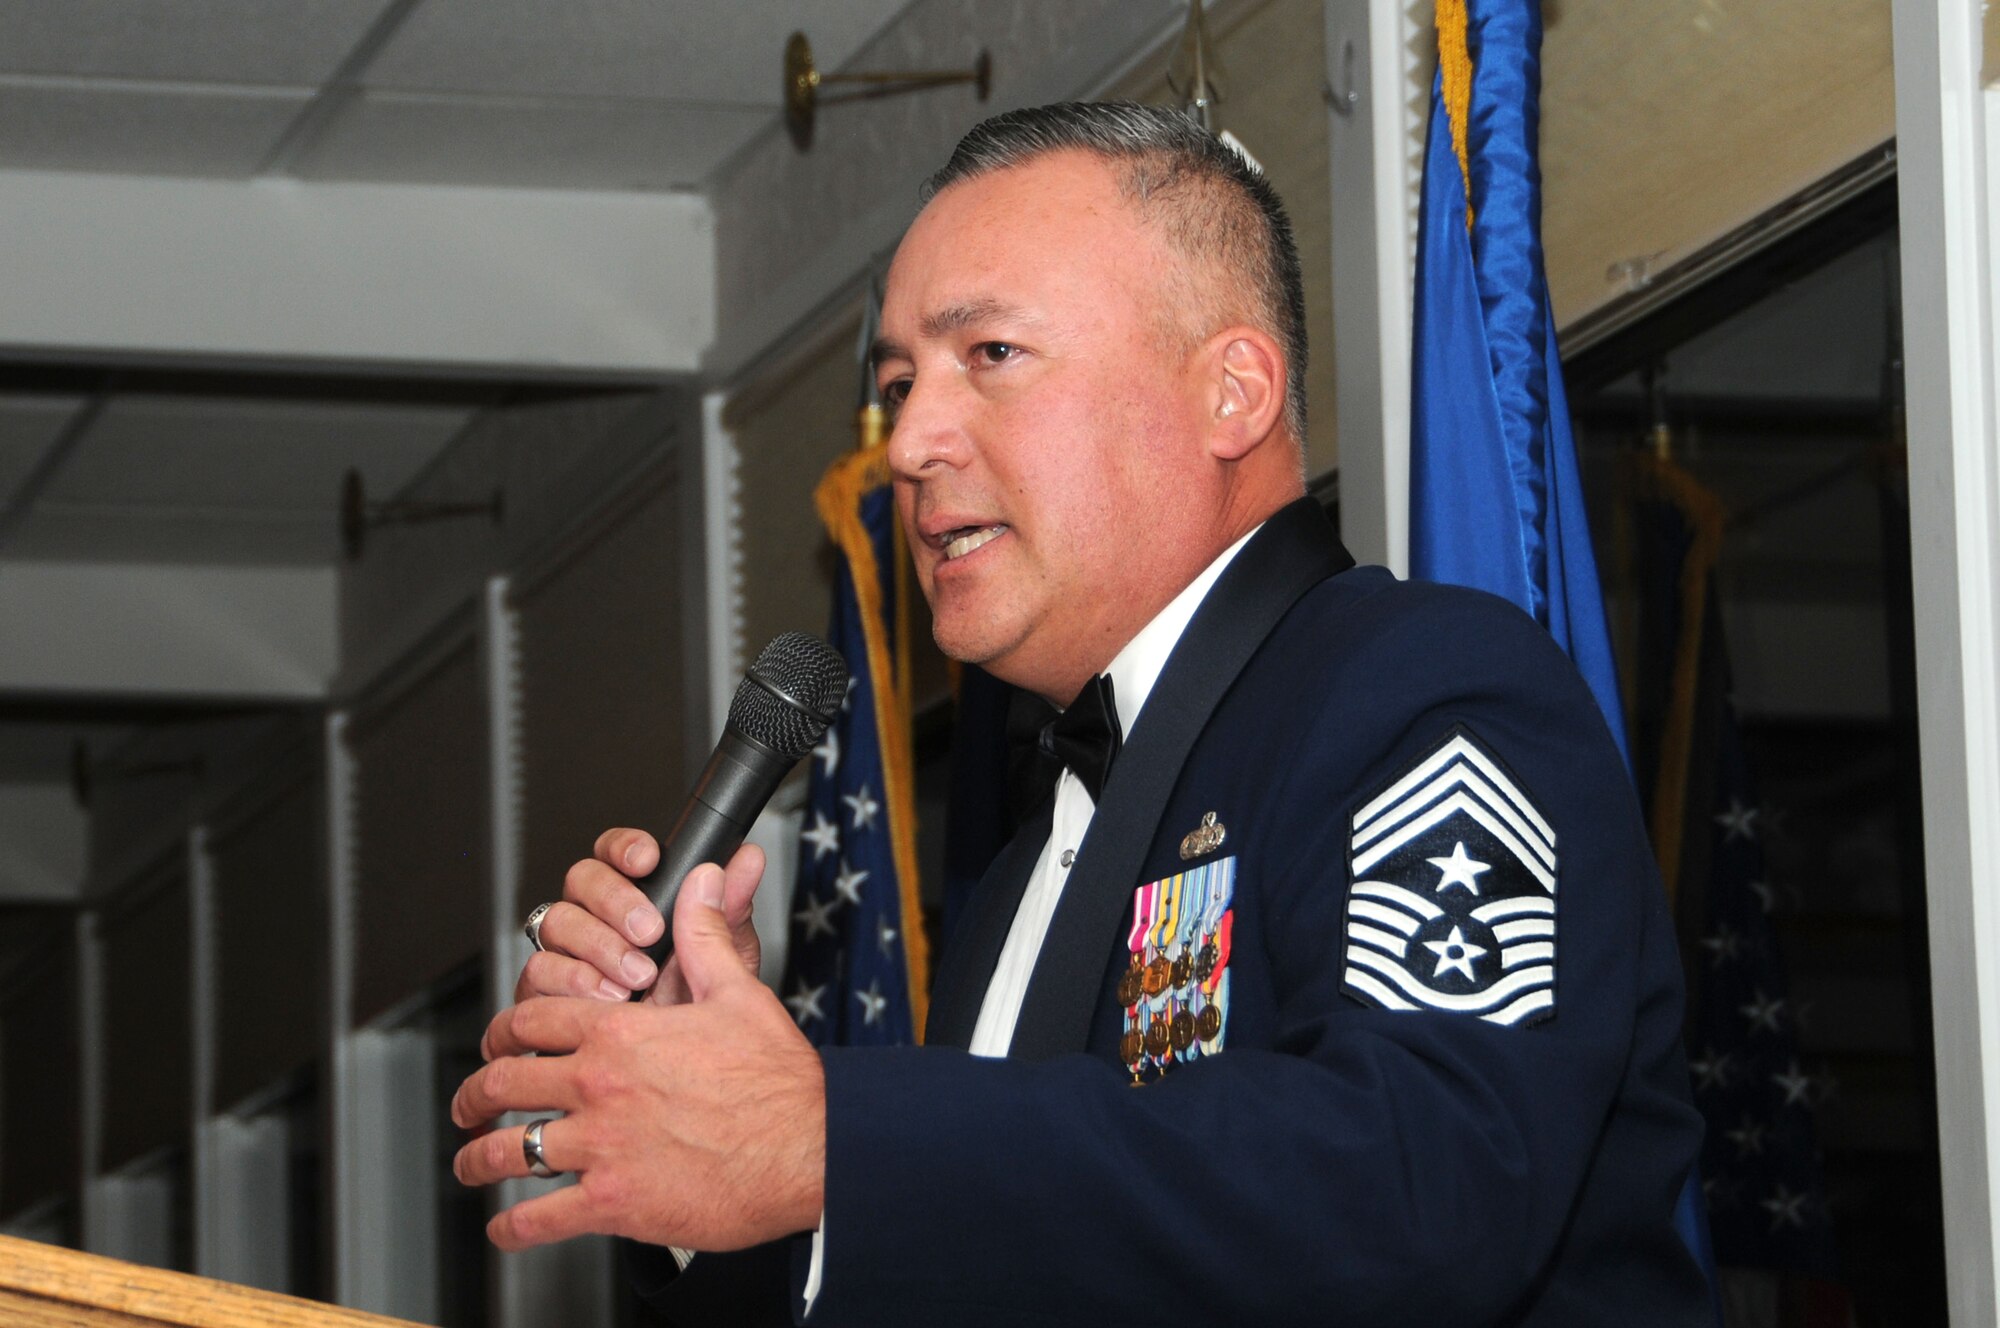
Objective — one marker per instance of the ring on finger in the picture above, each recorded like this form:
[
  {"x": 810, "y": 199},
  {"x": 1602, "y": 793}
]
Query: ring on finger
[
  {"x": 531, "y": 1148},
  {"x": 533, "y": 926}
]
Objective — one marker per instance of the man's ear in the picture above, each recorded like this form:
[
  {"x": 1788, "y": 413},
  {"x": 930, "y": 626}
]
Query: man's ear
[{"x": 1246, "y": 391}]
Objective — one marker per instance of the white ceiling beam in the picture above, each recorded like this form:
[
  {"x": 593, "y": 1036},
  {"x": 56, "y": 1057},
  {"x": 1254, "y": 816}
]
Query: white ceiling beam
[
  {"x": 510, "y": 281},
  {"x": 222, "y": 633}
]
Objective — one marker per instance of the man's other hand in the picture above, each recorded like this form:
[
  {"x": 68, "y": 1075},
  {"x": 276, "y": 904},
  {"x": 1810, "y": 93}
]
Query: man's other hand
[
  {"x": 700, "y": 1124},
  {"x": 592, "y": 939}
]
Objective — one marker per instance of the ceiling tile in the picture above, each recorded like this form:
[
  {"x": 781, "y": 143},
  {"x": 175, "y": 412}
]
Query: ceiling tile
[
  {"x": 526, "y": 143},
  {"x": 724, "y": 53},
  {"x": 151, "y": 131},
  {"x": 28, "y": 424},
  {"x": 296, "y": 42},
  {"x": 274, "y": 457}
]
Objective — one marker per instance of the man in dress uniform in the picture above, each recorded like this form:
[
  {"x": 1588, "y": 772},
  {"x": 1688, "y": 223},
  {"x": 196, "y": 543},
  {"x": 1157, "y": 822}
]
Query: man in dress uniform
[{"x": 1333, "y": 983}]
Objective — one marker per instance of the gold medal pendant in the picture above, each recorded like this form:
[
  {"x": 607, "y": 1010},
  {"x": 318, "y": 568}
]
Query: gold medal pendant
[{"x": 1132, "y": 1049}]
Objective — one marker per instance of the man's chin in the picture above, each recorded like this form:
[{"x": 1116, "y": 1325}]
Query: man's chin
[{"x": 971, "y": 639}]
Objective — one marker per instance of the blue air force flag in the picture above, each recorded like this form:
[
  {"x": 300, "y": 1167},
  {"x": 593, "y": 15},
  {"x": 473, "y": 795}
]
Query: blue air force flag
[{"x": 1452, "y": 892}]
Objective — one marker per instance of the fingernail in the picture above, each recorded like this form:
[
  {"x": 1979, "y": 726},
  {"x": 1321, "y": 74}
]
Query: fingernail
[
  {"x": 611, "y": 991},
  {"x": 637, "y": 969},
  {"x": 632, "y": 858},
  {"x": 708, "y": 889},
  {"x": 642, "y": 924}
]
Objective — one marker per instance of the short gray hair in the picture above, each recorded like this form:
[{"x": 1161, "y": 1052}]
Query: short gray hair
[{"x": 1215, "y": 208}]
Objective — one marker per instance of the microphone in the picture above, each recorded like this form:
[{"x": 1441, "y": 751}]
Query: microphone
[{"x": 781, "y": 709}]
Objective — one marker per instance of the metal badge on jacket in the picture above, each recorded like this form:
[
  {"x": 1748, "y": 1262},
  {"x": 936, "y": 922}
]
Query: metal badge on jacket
[
  {"x": 1176, "y": 992},
  {"x": 1451, "y": 901}
]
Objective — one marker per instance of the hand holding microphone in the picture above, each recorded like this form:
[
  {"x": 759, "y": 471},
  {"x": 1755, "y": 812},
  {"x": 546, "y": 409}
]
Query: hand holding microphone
[{"x": 608, "y": 939}]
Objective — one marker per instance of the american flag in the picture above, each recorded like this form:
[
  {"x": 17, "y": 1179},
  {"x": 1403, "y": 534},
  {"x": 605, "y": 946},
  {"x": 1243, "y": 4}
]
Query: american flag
[
  {"x": 1760, "y": 1162},
  {"x": 856, "y": 967}
]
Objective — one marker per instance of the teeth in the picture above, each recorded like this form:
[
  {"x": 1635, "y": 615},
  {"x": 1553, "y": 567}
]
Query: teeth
[{"x": 965, "y": 544}]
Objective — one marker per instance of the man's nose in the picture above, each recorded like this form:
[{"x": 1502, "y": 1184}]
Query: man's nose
[{"x": 930, "y": 429}]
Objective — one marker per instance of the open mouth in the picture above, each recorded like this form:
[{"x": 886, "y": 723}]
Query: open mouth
[{"x": 958, "y": 543}]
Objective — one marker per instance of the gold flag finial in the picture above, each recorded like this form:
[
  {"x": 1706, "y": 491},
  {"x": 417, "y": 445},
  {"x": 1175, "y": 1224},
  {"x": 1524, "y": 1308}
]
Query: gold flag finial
[{"x": 871, "y": 421}]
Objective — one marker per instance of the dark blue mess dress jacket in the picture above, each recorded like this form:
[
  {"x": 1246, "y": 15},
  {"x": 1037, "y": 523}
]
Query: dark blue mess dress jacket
[{"x": 1381, "y": 829}]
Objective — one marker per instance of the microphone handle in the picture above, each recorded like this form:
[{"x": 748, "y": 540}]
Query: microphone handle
[{"x": 733, "y": 787}]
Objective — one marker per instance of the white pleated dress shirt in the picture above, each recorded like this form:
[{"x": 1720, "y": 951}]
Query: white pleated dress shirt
[{"x": 1133, "y": 673}]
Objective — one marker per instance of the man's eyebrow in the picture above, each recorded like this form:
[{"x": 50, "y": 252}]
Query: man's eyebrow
[
  {"x": 885, "y": 349},
  {"x": 951, "y": 319},
  {"x": 956, "y": 317}
]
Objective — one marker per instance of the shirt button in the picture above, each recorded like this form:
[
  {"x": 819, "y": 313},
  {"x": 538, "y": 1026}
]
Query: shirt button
[{"x": 1068, "y": 856}]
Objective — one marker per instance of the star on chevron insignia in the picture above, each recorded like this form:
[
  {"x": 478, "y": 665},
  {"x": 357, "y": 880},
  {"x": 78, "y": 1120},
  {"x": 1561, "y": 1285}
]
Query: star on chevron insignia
[
  {"x": 1455, "y": 952},
  {"x": 864, "y": 806},
  {"x": 873, "y": 1002},
  {"x": 804, "y": 1003},
  {"x": 817, "y": 916},
  {"x": 849, "y": 882},
  {"x": 824, "y": 836},
  {"x": 1459, "y": 869}
]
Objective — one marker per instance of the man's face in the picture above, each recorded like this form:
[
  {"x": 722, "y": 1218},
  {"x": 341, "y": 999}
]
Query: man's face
[{"x": 1047, "y": 450}]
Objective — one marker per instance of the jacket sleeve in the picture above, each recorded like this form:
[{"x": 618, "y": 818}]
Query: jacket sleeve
[{"x": 1365, "y": 1166}]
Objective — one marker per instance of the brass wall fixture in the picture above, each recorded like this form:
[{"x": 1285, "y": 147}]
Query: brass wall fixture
[
  {"x": 358, "y": 516},
  {"x": 803, "y": 81}
]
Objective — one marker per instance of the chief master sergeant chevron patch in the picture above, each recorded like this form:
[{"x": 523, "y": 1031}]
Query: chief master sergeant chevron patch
[{"x": 1451, "y": 897}]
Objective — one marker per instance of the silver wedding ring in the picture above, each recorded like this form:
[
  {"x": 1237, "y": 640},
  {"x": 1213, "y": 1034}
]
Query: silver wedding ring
[
  {"x": 533, "y": 926},
  {"x": 531, "y": 1146}
]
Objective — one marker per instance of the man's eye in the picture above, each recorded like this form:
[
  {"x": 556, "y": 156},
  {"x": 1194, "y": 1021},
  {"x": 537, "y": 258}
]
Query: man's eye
[
  {"x": 994, "y": 352},
  {"x": 894, "y": 393}
]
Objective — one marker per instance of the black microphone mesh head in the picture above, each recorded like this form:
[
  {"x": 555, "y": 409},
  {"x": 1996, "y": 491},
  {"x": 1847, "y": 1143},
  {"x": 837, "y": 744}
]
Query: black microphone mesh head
[{"x": 792, "y": 693}]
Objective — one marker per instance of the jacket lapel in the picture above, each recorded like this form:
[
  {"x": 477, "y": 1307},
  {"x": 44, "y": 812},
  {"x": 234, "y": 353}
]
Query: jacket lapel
[
  {"x": 969, "y": 960},
  {"x": 1295, "y": 551}
]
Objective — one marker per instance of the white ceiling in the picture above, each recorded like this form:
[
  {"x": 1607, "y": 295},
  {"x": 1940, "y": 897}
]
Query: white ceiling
[
  {"x": 536, "y": 94},
  {"x": 560, "y": 94}
]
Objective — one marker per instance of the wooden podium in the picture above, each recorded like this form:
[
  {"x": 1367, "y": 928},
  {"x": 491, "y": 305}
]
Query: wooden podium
[{"x": 46, "y": 1286}]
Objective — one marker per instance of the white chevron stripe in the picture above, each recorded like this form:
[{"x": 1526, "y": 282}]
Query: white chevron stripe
[
  {"x": 1545, "y": 999},
  {"x": 1375, "y": 936},
  {"x": 1506, "y": 908},
  {"x": 1396, "y": 894},
  {"x": 1459, "y": 802},
  {"x": 1379, "y": 990},
  {"x": 1513, "y": 956},
  {"x": 1508, "y": 932},
  {"x": 1388, "y": 917},
  {"x": 1541, "y": 975},
  {"x": 1460, "y": 774},
  {"x": 1436, "y": 761}
]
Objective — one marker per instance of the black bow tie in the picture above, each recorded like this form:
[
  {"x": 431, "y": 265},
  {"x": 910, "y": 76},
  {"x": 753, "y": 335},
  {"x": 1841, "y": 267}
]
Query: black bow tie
[{"x": 1084, "y": 738}]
